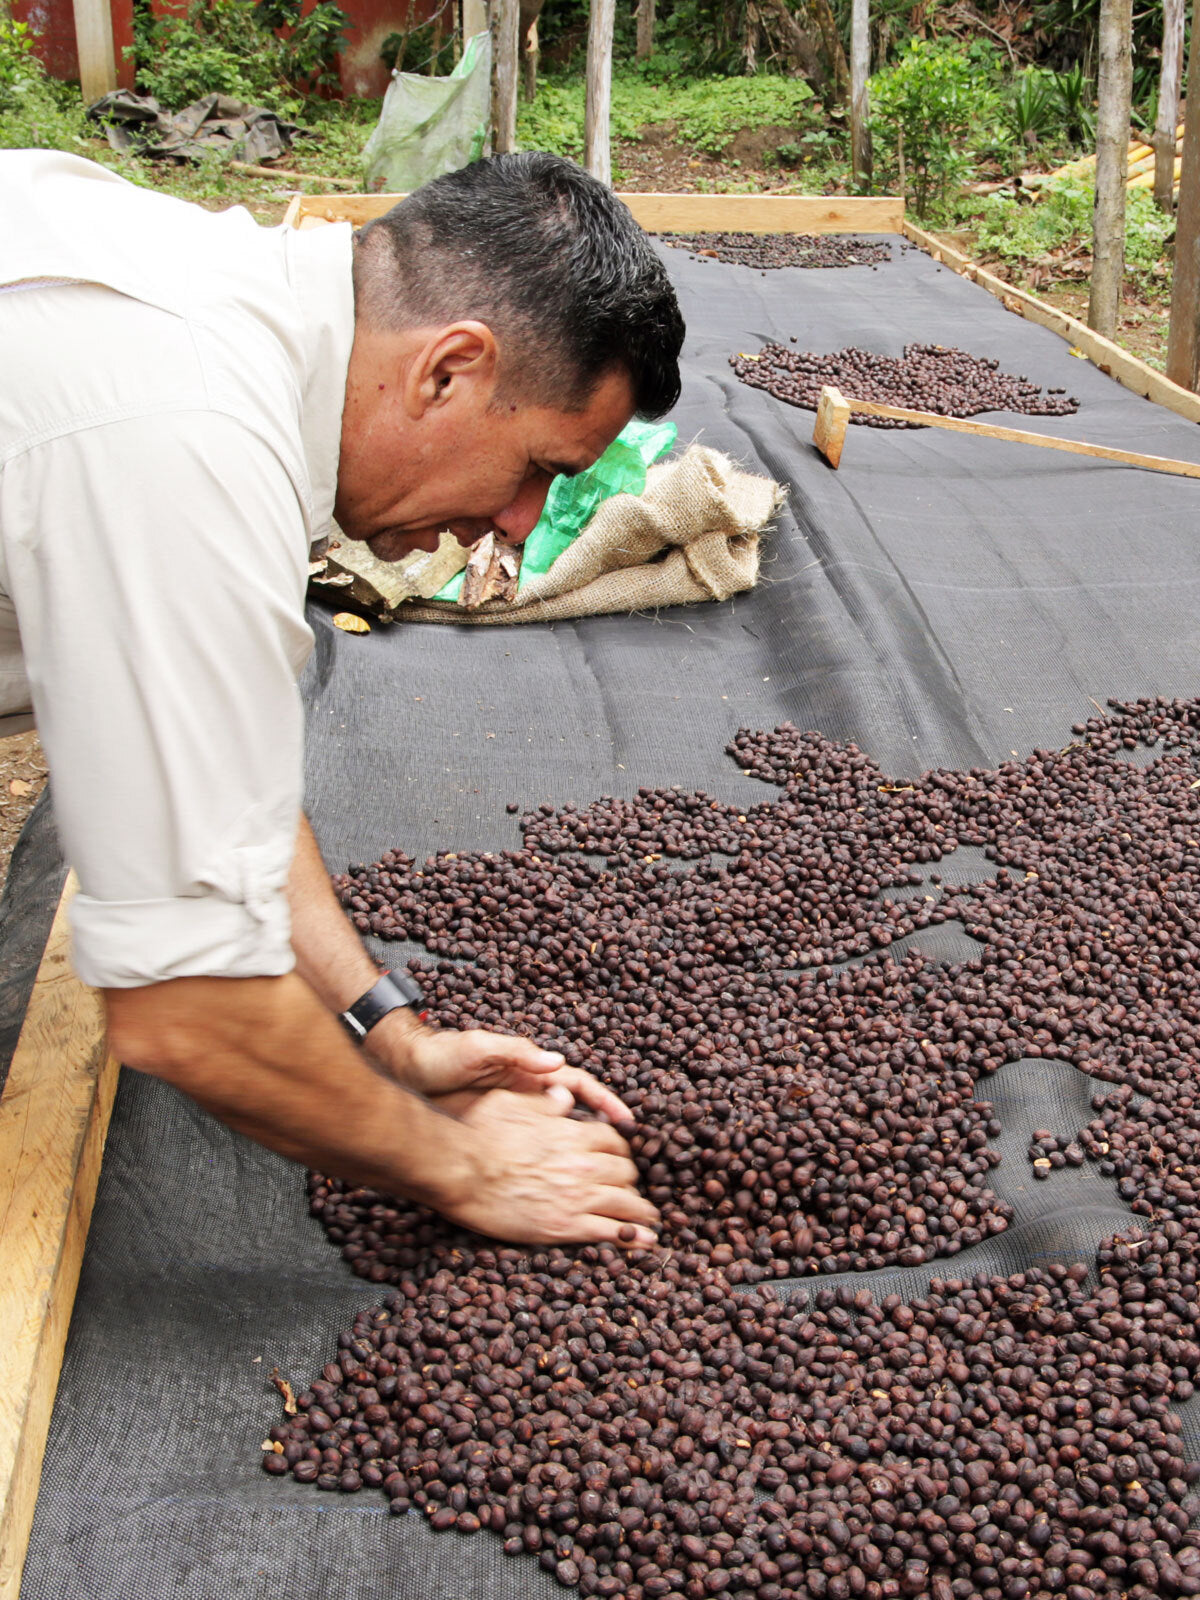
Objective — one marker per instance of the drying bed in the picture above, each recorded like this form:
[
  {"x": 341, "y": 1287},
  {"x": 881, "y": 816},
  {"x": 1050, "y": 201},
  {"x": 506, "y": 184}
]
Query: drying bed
[{"x": 939, "y": 603}]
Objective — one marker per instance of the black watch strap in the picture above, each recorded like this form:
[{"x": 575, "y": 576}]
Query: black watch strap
[{"x": 394, "y": 989}]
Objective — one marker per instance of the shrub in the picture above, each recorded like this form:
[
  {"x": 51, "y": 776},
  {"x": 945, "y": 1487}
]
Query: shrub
[
  {"x": 943, "y": 101},
  {"x": 1022, "y": 230},
  {"x": 35, "y": 112}
]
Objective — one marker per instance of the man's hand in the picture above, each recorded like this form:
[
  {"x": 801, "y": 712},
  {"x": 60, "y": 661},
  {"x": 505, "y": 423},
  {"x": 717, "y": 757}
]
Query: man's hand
[
  {"x": 463, "y": 1065},
  {"x": 547, "y": 1180}
]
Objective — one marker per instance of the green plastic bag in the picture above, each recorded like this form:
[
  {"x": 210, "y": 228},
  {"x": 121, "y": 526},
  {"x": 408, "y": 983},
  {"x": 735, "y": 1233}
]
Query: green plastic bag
[
  {"x": 429, "y": 126},
  {"x": 572, "y": 502}
]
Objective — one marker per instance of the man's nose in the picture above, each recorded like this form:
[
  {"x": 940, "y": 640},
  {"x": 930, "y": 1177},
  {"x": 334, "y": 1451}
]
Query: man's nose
[{"x": 518, "y": 520}]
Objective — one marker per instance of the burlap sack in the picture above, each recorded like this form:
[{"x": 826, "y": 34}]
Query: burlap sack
[{"x": 692, "y": 535}]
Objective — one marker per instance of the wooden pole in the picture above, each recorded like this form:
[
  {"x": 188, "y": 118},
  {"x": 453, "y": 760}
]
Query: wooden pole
[
  {"x": 597, "y": 157},
  {"x": 1112, "y": 147},
  {"x": 94, "y": 42},
  {"x": 474, "y": 18},
  {"x": 645, "y": 29},
  {"x": 1167, "y": 121},
  {"x": 1183, "y": 340},
  {"x": 504, "y": 107},
  {"x": 860, "y": 70}
]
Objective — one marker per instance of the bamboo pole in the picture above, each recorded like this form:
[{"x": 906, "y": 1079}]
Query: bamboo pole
[
  {"x": 1112, "y": 147},
  {"x": 1183, "y": 340},
  {"x": 597, "y": 156}
]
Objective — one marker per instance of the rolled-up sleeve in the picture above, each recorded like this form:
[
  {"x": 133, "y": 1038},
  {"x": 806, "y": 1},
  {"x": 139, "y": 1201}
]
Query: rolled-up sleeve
[{"x": 158, "y": 566}]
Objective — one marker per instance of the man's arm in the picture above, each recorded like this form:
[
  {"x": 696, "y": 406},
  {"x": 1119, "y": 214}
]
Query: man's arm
[
  {"x": 268, "y": 1058},
  {"x": 331, "y": 957}
]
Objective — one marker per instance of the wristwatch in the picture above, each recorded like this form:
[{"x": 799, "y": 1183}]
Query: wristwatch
[{"x": 394, "y": 989}]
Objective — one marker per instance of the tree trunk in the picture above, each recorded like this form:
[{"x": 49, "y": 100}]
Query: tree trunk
[
  {"x": 860, "y": 113},
  {"x": 798, "y": 48},
  {"x": 474, "y": 18},
  {"x": 1183, "y": 342},
  {"x": 597, "y": 154},
  {"x": 1168, "y": 104},
  {"x": 1112, "y": 161},
  {"x": 645, "y": 29},
  {"x": 750, "y": 39},
  {"x": 831, "y": 45},
  {"x": 507, "y": 18},
  {"x": 531, "y": 10}
]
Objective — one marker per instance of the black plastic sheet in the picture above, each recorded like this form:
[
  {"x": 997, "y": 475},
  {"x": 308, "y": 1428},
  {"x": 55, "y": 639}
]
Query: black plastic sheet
[{"x": 942, "y": 601}]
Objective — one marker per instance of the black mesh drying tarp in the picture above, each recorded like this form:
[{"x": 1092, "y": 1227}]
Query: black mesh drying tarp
[{"x": 940, "y": 600}]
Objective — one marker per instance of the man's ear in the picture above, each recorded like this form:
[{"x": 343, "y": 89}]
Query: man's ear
[{"x": 450, "y": 362}]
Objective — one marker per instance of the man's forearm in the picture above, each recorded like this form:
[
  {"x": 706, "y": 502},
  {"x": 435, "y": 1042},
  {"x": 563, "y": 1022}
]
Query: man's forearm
[
  {"x": 266, "y": 1056},
  {"x": 330, "y": 956}
]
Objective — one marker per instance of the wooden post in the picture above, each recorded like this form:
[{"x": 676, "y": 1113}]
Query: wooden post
[
  {"x": 860, "y": 70},
  {"x": 94, "y": 41},
  {"x": 1167, "y": 121},
  {"x": 645, "y": 29},
  {"x": 1183, "y": 341},
  {"x": 597, "y": 157},
  {"x": 504, "y": 106},
  {"x": 1112, "y": 149},
  {"x": 474, "y": 18}
]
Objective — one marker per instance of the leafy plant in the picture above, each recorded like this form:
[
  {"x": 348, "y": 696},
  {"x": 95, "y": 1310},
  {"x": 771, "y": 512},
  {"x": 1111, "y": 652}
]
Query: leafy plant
[
  {"x": 1033, "y": 105},
  {"x": 1078, "y": 100},
  {"x": 937, "y": 99},
  {"x": 413, "y": 50}
]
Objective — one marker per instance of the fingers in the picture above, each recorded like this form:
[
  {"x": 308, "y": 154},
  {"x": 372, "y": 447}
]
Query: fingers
[
  {"x": 597, "y": 1229},
  {"x": 512, "y": 1050},
  {"x": 591, "y": 1092},
  {"x": 611, "y": 1171},
  {"x": 626, "y": 1205}
]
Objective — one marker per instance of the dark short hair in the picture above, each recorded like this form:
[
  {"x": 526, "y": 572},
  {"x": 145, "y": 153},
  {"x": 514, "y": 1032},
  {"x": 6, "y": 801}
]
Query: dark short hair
[{"x": 549, "y": 259}]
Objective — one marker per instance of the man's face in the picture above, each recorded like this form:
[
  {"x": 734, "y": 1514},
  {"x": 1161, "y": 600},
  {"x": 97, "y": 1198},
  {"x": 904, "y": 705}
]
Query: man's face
[{"x": 427, "y": 446}]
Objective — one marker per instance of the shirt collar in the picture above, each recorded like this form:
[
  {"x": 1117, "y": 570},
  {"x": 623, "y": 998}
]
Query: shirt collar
[{"x": 319, "y": 269}]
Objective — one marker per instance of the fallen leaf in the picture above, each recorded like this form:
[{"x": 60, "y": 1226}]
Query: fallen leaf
[
  {"x": 349, "y": 623},
  {"x": 1076, "y": 351},
  {"x": 18, "y": 786},
  {"x": 285, "y": 1389}
]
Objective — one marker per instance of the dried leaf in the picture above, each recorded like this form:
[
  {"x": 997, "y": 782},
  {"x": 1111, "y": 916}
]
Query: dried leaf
[
  {"x": 1082, "y": 354},
  {"x": 285, "y": 1389},
  {"x": 349, "y": 623},
  {"x": 18, "y": 786}
]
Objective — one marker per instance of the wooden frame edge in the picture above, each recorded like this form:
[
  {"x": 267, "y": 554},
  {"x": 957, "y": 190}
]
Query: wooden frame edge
[
  {"x": 54, "y": 1114},
  {"x": 1109, "y": 357},
  {"x": 684, "y": 213}
]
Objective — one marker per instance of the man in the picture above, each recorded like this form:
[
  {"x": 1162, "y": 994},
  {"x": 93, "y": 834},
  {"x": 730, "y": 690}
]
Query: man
[{"x": 184, "y": 402}]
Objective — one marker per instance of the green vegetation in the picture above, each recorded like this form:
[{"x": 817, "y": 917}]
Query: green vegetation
[
  {"x": 232, "y": 47},
  {"x": 35, "y": 111},
  {"x": 705, "y": 112},
  {"x": 1020, "y": 229}
]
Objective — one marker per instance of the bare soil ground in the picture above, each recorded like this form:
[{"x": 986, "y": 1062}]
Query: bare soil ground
[{"x": 22, "y": 779}]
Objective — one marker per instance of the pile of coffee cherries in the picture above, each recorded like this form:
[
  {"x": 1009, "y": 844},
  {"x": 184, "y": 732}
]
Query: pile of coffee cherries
[
  {"x": 767, "y": 251},
  {"x": 668, "y": 1424},
  {"x": 927, "y": 377}
]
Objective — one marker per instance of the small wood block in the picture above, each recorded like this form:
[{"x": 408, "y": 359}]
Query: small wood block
[{"x": 829, "y": 430}]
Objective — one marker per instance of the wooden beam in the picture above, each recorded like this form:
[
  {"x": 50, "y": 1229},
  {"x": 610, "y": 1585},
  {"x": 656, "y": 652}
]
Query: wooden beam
[
  {"x": 54, "y": 1115},
  {"x": 1183, "y": 339},
  {"x": 94, "y": 42},
  {"x": 508, "y": 49},
  {"x": 597, "y": 144},
  {"x": 671, "y": 213},
  {"x": 1103, "y": 353},
  {"x": 474, "y": 18}
]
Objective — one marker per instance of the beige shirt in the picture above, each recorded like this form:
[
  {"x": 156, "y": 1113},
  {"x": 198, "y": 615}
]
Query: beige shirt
[{"x": 170, "y": 419}]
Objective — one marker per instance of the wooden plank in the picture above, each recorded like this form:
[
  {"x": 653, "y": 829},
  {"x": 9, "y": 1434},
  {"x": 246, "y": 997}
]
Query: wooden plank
[
  {"x": 53, "y": 1120},
  {"x": 825, "y": 433},
  {"x": 678, "y": 213},
  {"x": 94, "y": 42},
  {"x": 1103, "y": 353}
]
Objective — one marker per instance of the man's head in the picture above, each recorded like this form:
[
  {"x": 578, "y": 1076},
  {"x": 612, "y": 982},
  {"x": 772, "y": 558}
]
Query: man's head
[{"x": 510, "y": 318}]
